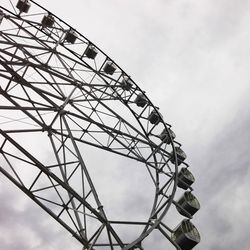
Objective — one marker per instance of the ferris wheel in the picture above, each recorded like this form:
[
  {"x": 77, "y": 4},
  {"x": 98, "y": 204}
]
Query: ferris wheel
[{"x": 66, "y": 107}]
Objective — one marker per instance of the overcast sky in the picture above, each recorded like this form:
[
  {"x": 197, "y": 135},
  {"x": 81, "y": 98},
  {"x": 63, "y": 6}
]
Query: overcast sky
[{"x": 192, "y": 58}]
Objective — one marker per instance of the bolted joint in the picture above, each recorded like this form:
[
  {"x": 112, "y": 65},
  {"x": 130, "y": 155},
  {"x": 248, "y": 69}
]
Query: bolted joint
[
  {"x": 100, "y": 207},
  {"x": 65, "y": 206}
]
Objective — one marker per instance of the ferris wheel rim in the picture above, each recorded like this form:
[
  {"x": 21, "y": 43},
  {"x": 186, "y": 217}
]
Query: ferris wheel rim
[{"x": 157, "y": 222}]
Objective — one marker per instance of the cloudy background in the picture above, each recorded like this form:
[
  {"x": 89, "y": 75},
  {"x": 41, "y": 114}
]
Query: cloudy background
[{"x": 192, "y": 58}]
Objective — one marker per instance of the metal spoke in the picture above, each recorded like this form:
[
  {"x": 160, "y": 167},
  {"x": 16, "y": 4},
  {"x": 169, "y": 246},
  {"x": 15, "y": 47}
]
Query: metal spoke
[{"x": 57, "y": 91}]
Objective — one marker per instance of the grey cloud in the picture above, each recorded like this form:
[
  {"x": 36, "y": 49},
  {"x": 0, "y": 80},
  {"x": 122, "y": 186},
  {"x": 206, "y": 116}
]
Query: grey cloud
[
  {"x": 224, "y": 187},
  {"x": 197, "y": 54},
  {"x": 28, "y": 227}
]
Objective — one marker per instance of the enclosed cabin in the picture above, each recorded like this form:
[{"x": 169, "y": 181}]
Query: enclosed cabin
[
  {"x": 48, "y": 21},
  {"x": 23, "y": 6},
  {"x": 109, "y": 68},
  {"x": 71, "y": 36},
  {"x": 141, "y": 100},
  {"x": 188, "y": 204},
  {"x": 91, "y": 52},
  {"x": 1, "y": 16},
  {"x": 186, "y": 235},
  {"x": 154, "y": 117},
  {"x": 166, "y": 136},
  {"x": 180, "y": 154},
  {"x": 185, "y": 178},
  {"x": 126, "y": 83}
]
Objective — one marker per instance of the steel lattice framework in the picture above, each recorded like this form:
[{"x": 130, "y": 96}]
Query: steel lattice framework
[{"x": 51, "y": 91}]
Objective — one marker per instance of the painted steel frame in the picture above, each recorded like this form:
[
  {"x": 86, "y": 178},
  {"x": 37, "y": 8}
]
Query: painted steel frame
[{"x": 65, "y": 93}]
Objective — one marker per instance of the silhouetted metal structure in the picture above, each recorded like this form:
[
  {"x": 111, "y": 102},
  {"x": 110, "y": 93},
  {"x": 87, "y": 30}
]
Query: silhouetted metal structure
[{"x": 60, "y": 89}]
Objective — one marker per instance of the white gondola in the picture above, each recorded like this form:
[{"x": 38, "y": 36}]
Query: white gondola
[
  {"x": 154, "y": 117},
  {"x": 109, "y": 68},
  {"x": 164, "y": 136},
  {"x": 181, "y": 156},
  {"x": 141, "y": 100},
  {"x": 186, "y": 235},
  {"x": 23, "y": 6},
  {"x": 91, "y": 52},
  {"x": 188, "y": 204},
  {"x": 185, "y": 178},
  {"x": 70, "y": 36},
  {"x": 126, "y": 83},
  {"x": 1, "y": 16},
  {"x": 48, "y": 21}
]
